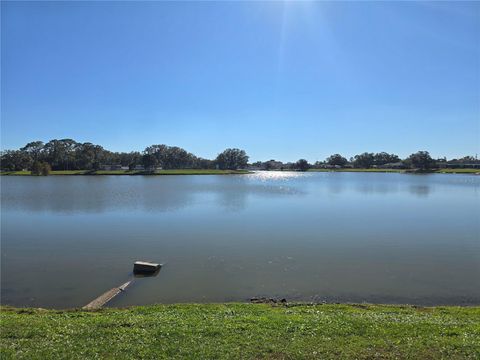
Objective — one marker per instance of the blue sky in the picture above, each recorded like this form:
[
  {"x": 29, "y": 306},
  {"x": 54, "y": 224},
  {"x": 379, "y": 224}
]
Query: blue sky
[{"x": 280, "y": 80}]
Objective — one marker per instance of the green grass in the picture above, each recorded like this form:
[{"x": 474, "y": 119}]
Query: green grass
[
  {"x": 458, "y": 171},
  {"x": 15, "y": 173},
  {"x": 438, "y": 171},
  {"x": 200, "y": 172},
  {"x": 132, "y": 172},
  {"x": 243, "y": 331},
  {"x": 359, "y": 170},
  {"x": 56, "y": 172}
]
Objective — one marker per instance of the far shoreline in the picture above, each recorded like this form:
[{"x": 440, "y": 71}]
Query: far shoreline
[
  {"x": 404, "y": 171},
  {"x": 131, "y": 172},
  {"x": 234, "y": 172}
]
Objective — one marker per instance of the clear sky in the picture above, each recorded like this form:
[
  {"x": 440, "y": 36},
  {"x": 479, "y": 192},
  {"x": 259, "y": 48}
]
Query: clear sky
[{"x": 281, "y": 80}]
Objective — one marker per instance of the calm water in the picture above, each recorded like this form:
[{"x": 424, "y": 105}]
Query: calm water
[{"x": 314, "y": 236}]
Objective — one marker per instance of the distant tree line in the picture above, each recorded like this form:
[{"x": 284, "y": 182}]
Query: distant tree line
[
  {"x": 67, "y": 154},
  {"x": 420, "y": 160}
]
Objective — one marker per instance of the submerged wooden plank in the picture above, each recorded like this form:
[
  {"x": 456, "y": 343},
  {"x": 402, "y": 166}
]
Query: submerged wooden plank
[{"x": 106, "y": 297}]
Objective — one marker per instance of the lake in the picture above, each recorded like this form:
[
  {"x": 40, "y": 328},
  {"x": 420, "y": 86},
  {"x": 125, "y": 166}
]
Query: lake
[{"x": 388, "y": 238}]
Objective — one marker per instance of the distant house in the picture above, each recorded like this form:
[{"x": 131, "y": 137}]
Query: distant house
[
  {"x": 272, "y": 165},
  {"x": 148, "y": 168},
  {"x": 395, "y": 165},
  {"x": 111, "y": 167},
  {"x": 463, "y": 166},
  {"x": 139, "y": 167}
]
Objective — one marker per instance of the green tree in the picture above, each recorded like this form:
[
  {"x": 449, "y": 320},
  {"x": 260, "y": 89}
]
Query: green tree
[
  {"x": 15, "y": 160},
  {"x": 383, "y": 158},
  {"x": 41, "y": 168},
  {"x": 468, "y": 159},
  {"x": 68, "y": 159},
  {"x": 421, "y": 160},
  {"x": 89, "y": 156},
  {"x": 46, "y": 168},
  {"x": 34, "y": 149},
  {"x": 365, "y": 160},
  {"x": 302, "y": 165},
  {"x": 337, "y": 159},
  {"x": 171, "y": 157},
  {"x": 319, "y": 164},
  {"x": 130, "y": 159},
  {"x": 200, "y": 163},
  {"x": 149, "y": 161},
  {"x": 232, "y": 159},
  {"x": 60, "y": 154}
]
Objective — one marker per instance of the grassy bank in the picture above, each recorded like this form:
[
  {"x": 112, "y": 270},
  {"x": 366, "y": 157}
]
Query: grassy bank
[
  {"x": 359, "y": 170},
  {"x": 438, "y": 171},
  {"x": 132, "y": 172},
  {"x": 459, "y": 171},
  {"x": 243, "y": 331}
]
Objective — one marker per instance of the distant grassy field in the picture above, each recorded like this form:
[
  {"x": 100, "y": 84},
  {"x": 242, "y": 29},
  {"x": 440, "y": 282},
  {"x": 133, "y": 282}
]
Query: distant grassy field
[
  {"x": 132, "y": 172},
  {"x": 200, "y": 172},
  {"x": 459, "y": 171},
  {"x": 242, "y": 331},
  {"x": 57, "y": 172},
  {"x": 358, "y": 170},
  {"x": 439, "y": 171}
]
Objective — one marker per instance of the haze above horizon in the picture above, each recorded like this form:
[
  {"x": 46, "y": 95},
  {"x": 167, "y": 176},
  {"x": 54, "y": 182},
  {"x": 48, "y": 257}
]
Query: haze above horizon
[{"x": 282, "y": 80}]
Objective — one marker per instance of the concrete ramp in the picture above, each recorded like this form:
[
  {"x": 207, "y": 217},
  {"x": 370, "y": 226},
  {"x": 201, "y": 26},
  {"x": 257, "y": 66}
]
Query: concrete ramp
[{"x": 106, "y": 297}]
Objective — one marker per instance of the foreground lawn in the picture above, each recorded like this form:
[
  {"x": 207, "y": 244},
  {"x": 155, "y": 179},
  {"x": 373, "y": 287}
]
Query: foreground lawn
[
  {"x": 133, "y": 172},
  {"x": 243, "y": 331}
]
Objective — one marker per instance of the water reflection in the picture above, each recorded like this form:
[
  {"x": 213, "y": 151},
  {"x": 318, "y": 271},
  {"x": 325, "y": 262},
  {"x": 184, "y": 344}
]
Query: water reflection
[
  {"x": 381, "y": 184},
  {"x": 268, "y": 176},
  {"x": 303, "y": 236},
  {"x": 378, "y": 188},
  {"x": 147, "y": 275},
  {"x": 68, "y": 195},
  {"x": 420, "y": 190}
]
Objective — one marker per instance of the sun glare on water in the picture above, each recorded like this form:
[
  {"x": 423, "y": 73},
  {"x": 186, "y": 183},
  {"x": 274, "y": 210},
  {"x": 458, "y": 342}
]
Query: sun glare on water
[{"x": 277, "y": 175}]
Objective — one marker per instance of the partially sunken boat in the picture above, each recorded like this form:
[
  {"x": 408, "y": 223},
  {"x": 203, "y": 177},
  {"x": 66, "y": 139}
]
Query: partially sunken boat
[{"x": 145, "y": 267}]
